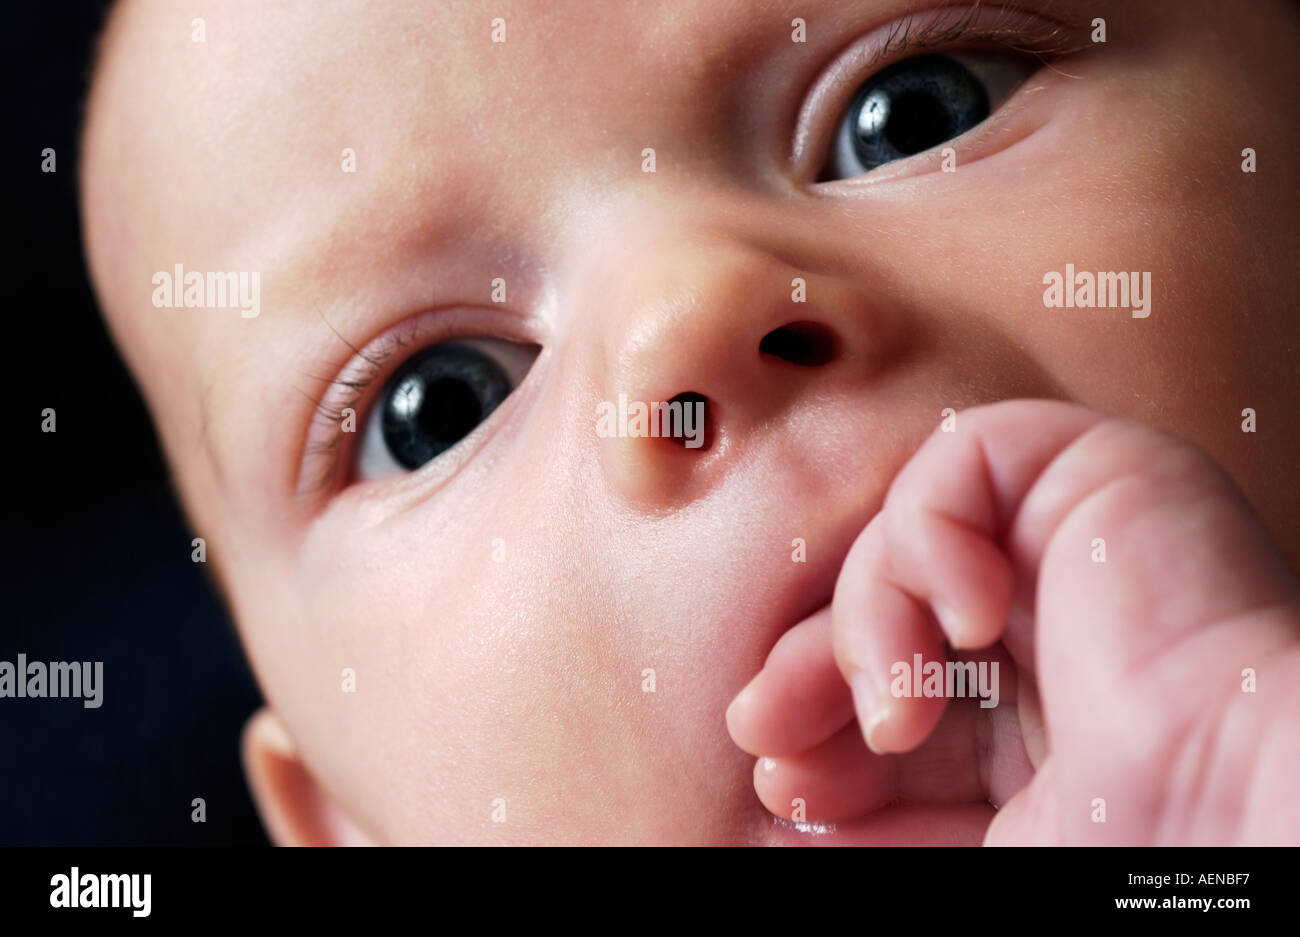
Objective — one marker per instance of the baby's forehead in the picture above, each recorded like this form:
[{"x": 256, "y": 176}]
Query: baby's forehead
[
  {"x": 292, "y": 132},
  {"x": 296, "y": 54}
]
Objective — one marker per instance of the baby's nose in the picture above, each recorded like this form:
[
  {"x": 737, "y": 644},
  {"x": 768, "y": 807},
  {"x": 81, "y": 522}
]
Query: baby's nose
[{"x": 710, "y": 344}]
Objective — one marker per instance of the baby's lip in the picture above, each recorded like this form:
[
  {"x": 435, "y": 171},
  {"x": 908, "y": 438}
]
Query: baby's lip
[{"x": 897, "y": 825}]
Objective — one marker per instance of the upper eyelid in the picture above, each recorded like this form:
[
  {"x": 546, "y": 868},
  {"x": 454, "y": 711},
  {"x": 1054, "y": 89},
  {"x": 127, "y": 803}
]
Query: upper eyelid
[{"x": 1006, "y": 26}]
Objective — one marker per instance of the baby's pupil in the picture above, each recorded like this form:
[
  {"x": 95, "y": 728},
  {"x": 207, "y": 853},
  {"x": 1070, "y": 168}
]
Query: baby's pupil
[
  {"x": 918, "y": 122},
  {"x": 437, "y": 399},
  {"x": 913, "y": 106},
  {"x": 451, "y": 410}
]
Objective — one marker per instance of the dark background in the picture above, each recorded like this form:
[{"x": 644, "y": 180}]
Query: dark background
[{"x": 95, "y": 563}]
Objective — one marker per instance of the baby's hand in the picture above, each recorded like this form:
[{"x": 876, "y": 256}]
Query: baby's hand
[{"x": 1146, "y": 630}]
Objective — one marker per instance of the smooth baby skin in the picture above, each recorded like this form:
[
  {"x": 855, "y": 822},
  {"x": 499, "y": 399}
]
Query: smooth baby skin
[{"x": 506, "y": 700}]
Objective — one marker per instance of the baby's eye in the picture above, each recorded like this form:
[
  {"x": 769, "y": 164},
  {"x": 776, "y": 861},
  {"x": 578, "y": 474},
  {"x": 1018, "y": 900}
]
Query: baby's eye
[
  {"x": 436, "y": 399},
  {"x": 920, "y": 103}
]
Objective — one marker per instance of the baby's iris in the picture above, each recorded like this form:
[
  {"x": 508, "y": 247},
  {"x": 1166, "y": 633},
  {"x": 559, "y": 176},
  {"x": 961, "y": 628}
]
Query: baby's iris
[
  {"x": 438, "y": 398},
  {"x": 913, "y": 106},
  {"x": 920, "y": 103}
]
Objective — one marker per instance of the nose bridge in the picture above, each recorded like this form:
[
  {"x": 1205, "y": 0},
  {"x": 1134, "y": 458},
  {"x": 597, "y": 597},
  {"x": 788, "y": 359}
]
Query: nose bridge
[{"x": 711, "y": 315}]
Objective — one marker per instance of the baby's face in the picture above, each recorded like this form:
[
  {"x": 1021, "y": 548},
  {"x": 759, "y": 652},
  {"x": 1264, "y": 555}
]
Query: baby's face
[{"x": 552, "y": 618}]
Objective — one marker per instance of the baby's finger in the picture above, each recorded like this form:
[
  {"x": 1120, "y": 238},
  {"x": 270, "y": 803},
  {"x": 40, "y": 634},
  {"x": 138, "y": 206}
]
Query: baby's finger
[
  {"x": 798, "y": 700},
  {"x": 974, "y": 754},
  {"x": 838, "y": 779},
  {"x": 933, "y": 557},
  {"x": 919, "y": 825},
  {"x": 876, "y": 625}
]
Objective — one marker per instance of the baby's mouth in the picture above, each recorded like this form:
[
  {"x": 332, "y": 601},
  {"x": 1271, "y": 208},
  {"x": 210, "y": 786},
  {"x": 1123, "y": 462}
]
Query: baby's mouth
[
  {"x": 901, "y": 822},
  {"x": 804, "y": 829},
  {"x": 895, "y": 825}
]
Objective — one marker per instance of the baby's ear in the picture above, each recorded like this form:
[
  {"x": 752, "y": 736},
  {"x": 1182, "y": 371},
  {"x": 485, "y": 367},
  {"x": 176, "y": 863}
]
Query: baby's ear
[{"x": 295, "y": 809}]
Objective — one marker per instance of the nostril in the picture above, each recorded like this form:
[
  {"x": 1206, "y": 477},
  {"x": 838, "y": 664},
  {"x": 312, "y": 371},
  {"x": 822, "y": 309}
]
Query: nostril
[
  {"x": 803, "y": 343},
  {"x": 688, "y": 416}
]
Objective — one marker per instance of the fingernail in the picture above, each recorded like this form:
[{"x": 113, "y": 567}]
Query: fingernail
[
  {"x": 951, "y": 624},
  {"x": 874, "y": 709},
  {"x": 742, "y": 699},
  {"x": 739, "y": 709}
]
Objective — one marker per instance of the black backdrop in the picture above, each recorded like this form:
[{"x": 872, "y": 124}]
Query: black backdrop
[{"x": 95, "y": 563}]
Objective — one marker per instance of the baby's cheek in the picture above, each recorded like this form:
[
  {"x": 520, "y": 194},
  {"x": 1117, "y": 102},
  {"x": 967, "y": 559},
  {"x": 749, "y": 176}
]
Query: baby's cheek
[
  {"x": 468, "y": 687},
  {"x": 1155, "y": 185}
]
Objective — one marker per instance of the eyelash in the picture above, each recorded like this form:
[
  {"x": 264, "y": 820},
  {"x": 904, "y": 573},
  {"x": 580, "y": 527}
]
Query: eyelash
[
  {"x": 977, "y": 26},
  {"x": 341, "y": 394},
  {"x": 1016, "y": 30}
]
